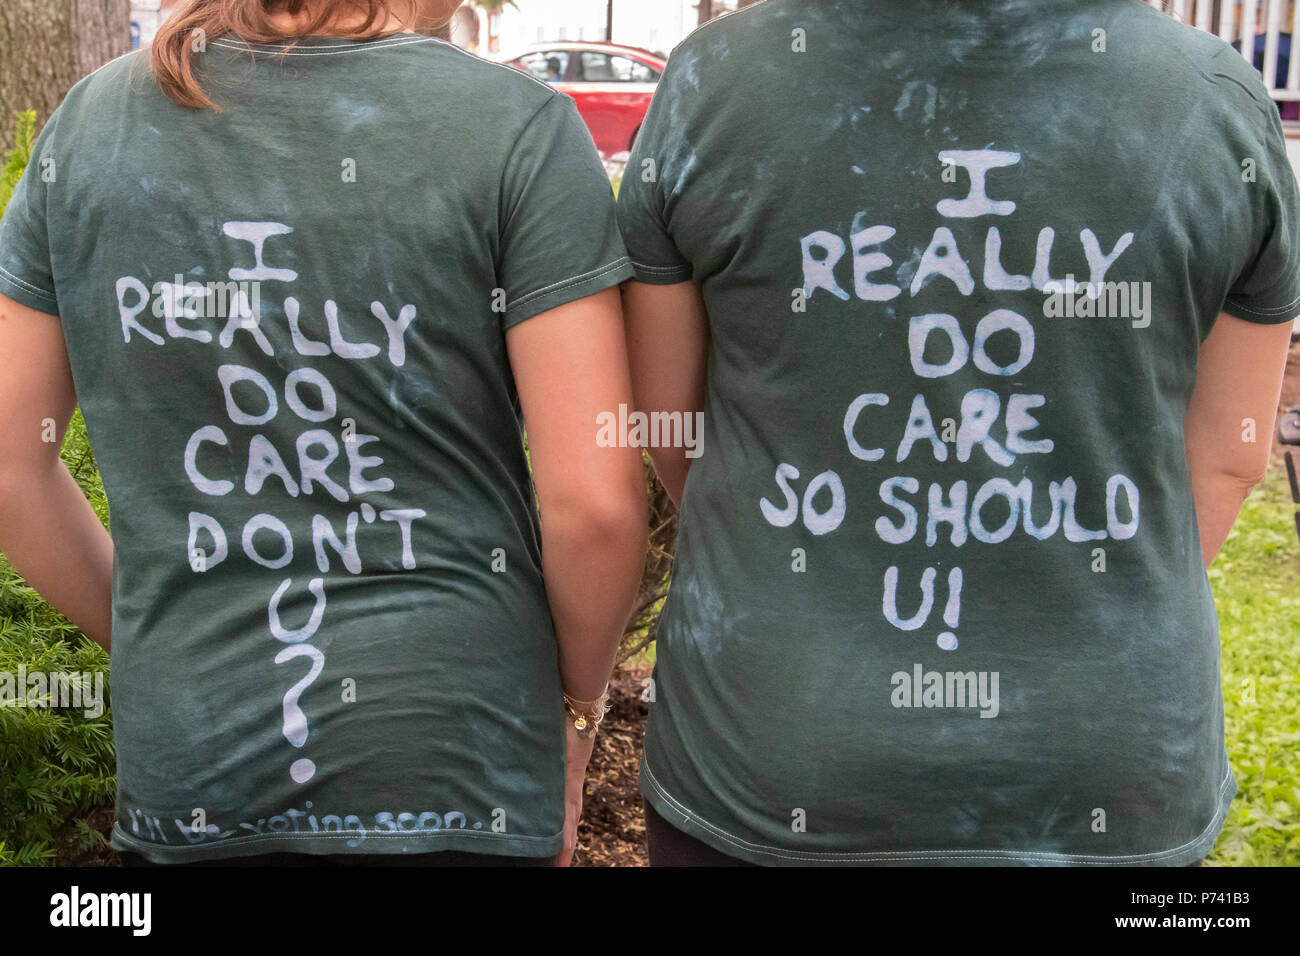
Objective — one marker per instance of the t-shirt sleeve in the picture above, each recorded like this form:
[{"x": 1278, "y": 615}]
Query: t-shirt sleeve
[
  {"x": 641, "y": 214},
  {"x": 26, "y": 275},
  {"x": 1267, "y": 290},
  {"x": 559, "y": 233}
]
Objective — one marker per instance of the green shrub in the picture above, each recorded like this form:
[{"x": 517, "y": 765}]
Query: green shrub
[
  {"x": 54, "y": 763},
  {"x": 17, "y": 158}
]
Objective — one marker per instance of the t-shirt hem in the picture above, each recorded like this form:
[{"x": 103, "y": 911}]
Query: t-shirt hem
[
  {"x": 1274, "y": 315},
  {"x": 691, "y": 823},
  {"x": 24, "y": 293},
  {"x": 406, "y": 843},
  {"x": 661, "y": 275},
  {"x": 567, "y": 290}
]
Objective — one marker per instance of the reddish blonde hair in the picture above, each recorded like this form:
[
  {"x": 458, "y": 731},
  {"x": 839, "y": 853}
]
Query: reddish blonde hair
[{"x": 195, "y": 22}]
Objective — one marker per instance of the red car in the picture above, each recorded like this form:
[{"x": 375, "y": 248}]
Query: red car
[{"x": 612, "y": 85}]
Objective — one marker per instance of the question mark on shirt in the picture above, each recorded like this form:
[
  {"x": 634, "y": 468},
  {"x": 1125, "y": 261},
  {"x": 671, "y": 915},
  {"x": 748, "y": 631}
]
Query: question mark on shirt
[{"x": 295, "y": 721}]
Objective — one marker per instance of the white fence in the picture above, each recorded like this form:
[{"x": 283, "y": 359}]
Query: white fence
[{"x": 1243, "y": 23}]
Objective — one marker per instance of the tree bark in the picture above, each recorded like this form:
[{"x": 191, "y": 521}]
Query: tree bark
[{"x": 47, "y": 45}]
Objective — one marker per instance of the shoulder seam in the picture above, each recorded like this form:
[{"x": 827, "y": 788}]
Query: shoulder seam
[
  {"x": 505, "y": 166},
  {"x": 501, "y": 66},
  {"x": 126, "y": 55},
  {"x": 753, "y": 7},
  {"x": 129, "y": 54}
]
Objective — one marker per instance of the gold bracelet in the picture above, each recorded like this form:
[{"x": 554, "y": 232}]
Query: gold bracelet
[{"x": 587, "y": 714}]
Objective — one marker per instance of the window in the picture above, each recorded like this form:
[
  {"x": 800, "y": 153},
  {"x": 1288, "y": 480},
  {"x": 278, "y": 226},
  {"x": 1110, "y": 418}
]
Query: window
[
  {"x": 548, "y": 67},
  {"x": 606, "y": 68}
]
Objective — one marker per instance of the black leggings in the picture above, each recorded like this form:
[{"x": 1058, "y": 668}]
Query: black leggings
[
  {"x": 669, "y": 846},
  {"x": 441, "y": 858}
]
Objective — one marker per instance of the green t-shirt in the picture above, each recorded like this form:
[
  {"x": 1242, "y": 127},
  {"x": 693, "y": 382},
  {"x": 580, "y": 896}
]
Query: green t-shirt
[
  {"x": 938, "y": 595},
  {"x": 330, "y": 631}
]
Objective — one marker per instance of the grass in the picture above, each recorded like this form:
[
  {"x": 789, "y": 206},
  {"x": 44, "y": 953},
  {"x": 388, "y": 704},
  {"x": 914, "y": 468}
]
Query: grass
[{"x": 1256, "y": 583}]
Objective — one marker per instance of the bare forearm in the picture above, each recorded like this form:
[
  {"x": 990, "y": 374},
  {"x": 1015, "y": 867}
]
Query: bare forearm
[
  {"x": 52, "y": 536},
  {"x": 671, "y": 466},
  {"x": 1229, "y": 418},
  {"x": 1218, "y": 501},
  {"x": 593, "y": 572},
  {"x": 668, "y": 352}
]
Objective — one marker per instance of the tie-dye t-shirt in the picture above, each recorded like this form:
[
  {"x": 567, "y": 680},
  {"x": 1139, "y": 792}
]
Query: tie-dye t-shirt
[
  {"x": 286, "y": 324},
  {"x": 939, "y": 595}
]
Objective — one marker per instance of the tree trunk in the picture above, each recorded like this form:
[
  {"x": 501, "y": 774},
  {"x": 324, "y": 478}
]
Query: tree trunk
[{"x": 47, "y": 45}]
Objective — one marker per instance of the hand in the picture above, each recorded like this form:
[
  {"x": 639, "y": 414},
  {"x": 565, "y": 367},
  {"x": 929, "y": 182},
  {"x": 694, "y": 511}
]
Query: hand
[{"x": 577, "y": 753}]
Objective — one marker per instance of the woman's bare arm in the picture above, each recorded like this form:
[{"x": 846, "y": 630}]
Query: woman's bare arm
[
  {"x": 1238, "y": 381},
  {"x": 48, "y": 530},
  {"x": 668, "y": 348},
  {"x": 570, "y": 365}
]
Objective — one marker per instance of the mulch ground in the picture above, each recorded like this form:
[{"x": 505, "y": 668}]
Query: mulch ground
[
  {"x": 612, "y": 831},
  {"x": 101, "y": 818}
]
